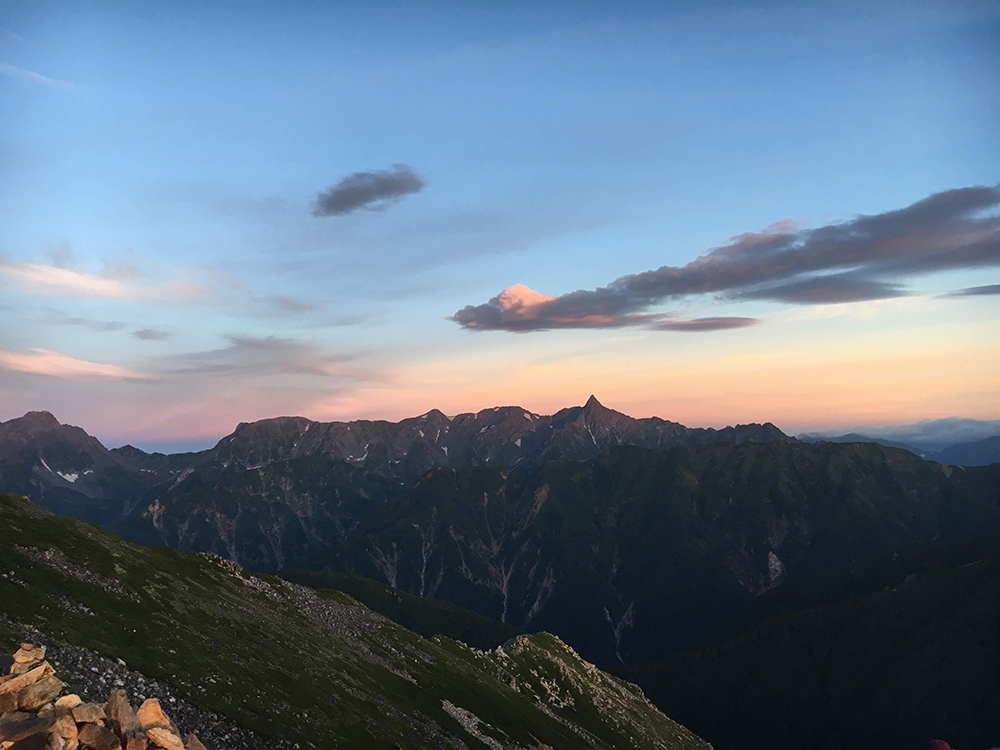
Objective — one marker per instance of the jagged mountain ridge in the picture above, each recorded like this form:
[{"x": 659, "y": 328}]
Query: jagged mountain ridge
[
  {"x": 501, "y": 436},
  {"x": 638, "y": 553},
  {"x": 279, "y": 488}
]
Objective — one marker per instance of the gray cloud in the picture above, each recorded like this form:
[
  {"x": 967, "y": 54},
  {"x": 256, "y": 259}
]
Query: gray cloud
[
  {"x": 151, "y": 334},
  {"x": 865, "y": 258},
  {"x": 824, "y": 290},
  {"x": 701, "y": 325},
  {"x": 284, "y": 304},
  {"x": 98, "y": 326},
  {"x": 257, "y": 357},
  {"x": 976, "y": 291},
  {"x": 371, "y": 191}
]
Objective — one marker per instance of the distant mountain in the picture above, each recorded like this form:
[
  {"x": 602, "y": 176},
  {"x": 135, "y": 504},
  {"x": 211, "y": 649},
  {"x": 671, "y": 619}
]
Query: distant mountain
[
  {"x": 889, "y": 653},
  {"x": 279, "y": 488},
  {"x": 856, "y": 437},
  {"x": 978, "y": 453},
  {"x": 298, "y": 667},
  {"x": 927, "y": 436},
  {"x": 638, "y": 553},
  {"x": 68, "y": 471}
]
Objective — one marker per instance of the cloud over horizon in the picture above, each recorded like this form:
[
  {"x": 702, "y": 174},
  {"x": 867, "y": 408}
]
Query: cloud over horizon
[
  {"x": 865, "y": 258},
  {"x": 119, "y": 282},
  {"x": 371, "y": 191},
  {"x": 56, "y": 364}
]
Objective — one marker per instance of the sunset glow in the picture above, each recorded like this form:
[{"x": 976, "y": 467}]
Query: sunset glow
[{"x": 468, "y": 210}]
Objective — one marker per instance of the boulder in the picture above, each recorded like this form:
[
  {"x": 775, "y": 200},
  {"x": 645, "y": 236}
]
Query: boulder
[
  {"x": 20, "y": 682},
  {"x": 88, "y": 713},
  {"x": 39, "y": 693},
  {"x": 99, "y": 738},
  {"x": 20, "y": 668},
  {"x": 124, "y": 720},
  {"x": 150, "y": 715},
  {"x": 29, "y": 652},
  {"x": 165, "y": 738},
  {"x": 69, "y": 701},
  {"x": 137, "y": 742},
  {"x": 65, "y": 727},
  {"x": 34, "y": 742},
  {"x": 16, "y": 725}
]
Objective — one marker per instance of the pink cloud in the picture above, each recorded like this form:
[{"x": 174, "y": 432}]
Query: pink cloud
[
  {"x": 38, "y": 278},
  {"x": 58, "y": 365}
]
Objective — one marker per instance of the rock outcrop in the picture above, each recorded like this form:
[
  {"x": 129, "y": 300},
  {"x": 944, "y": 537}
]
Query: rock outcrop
[{"x": 33, "y": 715}]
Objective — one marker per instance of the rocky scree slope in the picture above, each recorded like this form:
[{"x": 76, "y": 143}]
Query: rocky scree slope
[
  {"x": 290, "y": 664},
  {"x": 638, "y": 554}
]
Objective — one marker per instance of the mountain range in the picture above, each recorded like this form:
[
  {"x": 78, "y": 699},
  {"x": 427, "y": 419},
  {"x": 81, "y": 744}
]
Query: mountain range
[
  {"x": 702, "y": 564},
  {"x": 967, "y": 442},
  {"x": 279, "y": 488}
]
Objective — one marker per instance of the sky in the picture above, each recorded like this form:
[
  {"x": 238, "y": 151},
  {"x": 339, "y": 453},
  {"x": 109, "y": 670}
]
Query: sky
[{"x": 711, "y": 212}]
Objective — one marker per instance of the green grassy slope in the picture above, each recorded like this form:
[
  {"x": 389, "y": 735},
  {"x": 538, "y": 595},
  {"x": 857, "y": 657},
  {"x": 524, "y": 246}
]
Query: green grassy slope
[
  {"x": 280, "y": 660},
  {"x": 887, "y": 654},
  {"x": 426, "y": 617}
]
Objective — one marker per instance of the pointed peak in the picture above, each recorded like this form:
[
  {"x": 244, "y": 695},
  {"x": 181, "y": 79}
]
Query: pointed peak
[{"x": 593, "y": 403}]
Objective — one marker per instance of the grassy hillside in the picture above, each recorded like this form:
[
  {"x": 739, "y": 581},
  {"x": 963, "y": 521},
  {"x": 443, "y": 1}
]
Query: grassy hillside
[
  {"x": 426, "y": 617},
  {"x": 285, "y": 662},
  {"x": 887, "y": 654}
]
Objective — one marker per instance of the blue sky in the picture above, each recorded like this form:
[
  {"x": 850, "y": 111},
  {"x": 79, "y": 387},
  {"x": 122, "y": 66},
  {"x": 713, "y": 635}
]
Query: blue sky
[{"x": 164, "y": 159}]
